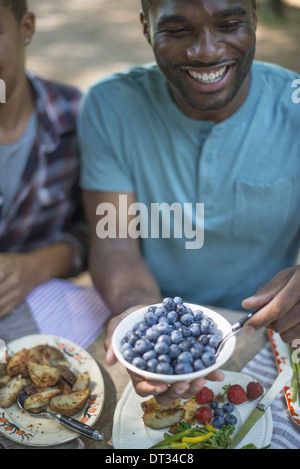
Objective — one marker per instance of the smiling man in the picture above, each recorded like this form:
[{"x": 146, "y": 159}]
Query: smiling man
[
  {"x": 205, "y": 52},
  {"x": 205, "y": 124}
]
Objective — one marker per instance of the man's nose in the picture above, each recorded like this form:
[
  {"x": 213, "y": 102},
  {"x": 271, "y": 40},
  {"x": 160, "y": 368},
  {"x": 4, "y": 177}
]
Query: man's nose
[{"x": 205, "y": 47}]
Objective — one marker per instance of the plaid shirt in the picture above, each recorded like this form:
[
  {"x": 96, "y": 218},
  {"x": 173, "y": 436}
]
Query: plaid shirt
[{"x": 47, "y": 207}]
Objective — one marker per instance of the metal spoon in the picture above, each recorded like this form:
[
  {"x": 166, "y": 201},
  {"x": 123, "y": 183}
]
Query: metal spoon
[
  {"x": 235, "y": 329},
  {"x": 69, "y": 422}
]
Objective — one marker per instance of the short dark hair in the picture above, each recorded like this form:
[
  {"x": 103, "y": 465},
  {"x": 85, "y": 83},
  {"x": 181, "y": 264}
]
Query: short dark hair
[{"x": 18, "y": 7}]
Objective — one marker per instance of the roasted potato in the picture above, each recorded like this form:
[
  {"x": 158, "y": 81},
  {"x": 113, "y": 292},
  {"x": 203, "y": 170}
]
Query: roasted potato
[
  {"x": 190, "y": 408},
  {"x": 4, "y": 380},
  {"x": 43, "y": 375},
  {"x": 82, "y": 382},
  {"x": 70, "y": 404},
  {"x": 164, "y": 418},
  {"x": 16, "y": 365},
  {"x": 67, "y": 374},
  {"x": 152, "y": 406},
  {"x": 8, "y": 394},
  {"x": 158, "y": 417},
  {"x": 36, "y": 401}
]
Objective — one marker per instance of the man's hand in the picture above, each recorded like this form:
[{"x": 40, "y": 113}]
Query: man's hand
[
  {"x": 15, "y": 281},
  {"x": 279, "y": 301},
  {"x": 21, "y": 273},
  {"x": 164, "y": 393}
]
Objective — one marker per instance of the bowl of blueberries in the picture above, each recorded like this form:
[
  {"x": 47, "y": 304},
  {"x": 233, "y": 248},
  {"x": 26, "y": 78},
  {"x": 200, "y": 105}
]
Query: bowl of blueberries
[{"x": 172, "y": 341}]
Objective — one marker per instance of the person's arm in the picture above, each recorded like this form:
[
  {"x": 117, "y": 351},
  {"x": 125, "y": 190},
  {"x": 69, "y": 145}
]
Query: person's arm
[
  {"x": 20, "y": 273},
  {"x": 278, "y": 302},
  {"x": 125, "y": 282}
]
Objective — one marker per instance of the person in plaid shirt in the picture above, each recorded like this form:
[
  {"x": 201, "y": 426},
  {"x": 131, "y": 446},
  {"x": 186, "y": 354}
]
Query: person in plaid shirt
[{"x": 42, "y": 228}]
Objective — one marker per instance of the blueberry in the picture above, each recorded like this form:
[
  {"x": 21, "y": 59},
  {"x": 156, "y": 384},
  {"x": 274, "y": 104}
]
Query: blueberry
[
  {"x": 153, "y": 334},
  {"x": 213, "y": 405},
  {"x": 209, "y": 349},
  {"x": 165, "y": 338},
  {"x": 196, "y": 350},
  {"x": 151, "y": 318},
  {"x": 195, "y": 329},
  {"x": 178, "y": 300},
  {"x": 207, "y": 325},
  {"x": 219, "y": 412},
  {"x": 161, "y": 348},
  {"x": 141, "y": 346},
  {"x": 172, "y": 317},
  {"x": 228, "y": 407},
  {"x": 164, "y": 357},
  {"x": 218, "y": 422},
  {"x": 152, "y": 309},
  {"x": 208, "y": 358},
  {"x": 129, "y": 354},
  {"x": 125, "y": 346},
  {"x": 230, "y": 419},
  {"x": 199, "y": 365},
  {"x": 185, "y": 357},
  {"x": 164, "y": 328},
  {"x": 185, "y": 345},
  {"x": 198, "y": 315},
  {"x": 139, "y": 363},
  {"x": 181, "y": 309},
  {"x": 164, "y": 320},
  {"x": 174, "y": 350},
  {"x": 183, "y": 368},
  {"x": 149, "y": 355},
  {"x": 203, "y": 339},
  {"x": 185, "y": 331},
  {"x": 161, "y": 311},
  {"x": 164, "y": 368},
  {"x": 187, "y": 319},
  {"x": 176, "y": 336},
  {"x": 214, "y": 340},
  {"x": 168, "y": 303},
  {"x": 152, "y": 364},
  {"x": 132, "y": 338}
]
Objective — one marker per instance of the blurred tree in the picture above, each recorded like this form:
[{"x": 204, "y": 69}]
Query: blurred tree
[{"x": 277, "y": 7}]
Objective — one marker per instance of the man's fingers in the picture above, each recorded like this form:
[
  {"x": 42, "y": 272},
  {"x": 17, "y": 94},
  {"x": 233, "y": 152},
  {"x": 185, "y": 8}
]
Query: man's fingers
[
  {"x": 268, "y": 291},
  {"x": 282, "y": 302}
]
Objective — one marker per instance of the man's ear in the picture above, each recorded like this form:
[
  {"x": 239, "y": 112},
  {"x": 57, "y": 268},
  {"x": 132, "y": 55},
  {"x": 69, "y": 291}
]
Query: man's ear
[
  {"x": 254, "y": 12},
  {"x": 145, "y": 24},
  {"x": 28, "y": 26}
]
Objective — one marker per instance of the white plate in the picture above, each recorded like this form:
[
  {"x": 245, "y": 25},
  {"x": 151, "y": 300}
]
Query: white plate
[
  {"x": 129, "y": 431},
  {"x": 41, "y": 431}
]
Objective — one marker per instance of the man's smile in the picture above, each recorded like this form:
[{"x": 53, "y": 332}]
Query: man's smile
[{"x": 209, "y": 78}]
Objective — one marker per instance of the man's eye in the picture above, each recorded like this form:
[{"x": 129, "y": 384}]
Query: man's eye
[
  {"x": 176, "y": 31},
  {"x": 231, "y": 26}
]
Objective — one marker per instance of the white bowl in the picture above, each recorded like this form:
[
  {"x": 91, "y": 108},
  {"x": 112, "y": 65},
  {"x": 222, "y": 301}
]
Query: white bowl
[{"x": 127, "y": 324}]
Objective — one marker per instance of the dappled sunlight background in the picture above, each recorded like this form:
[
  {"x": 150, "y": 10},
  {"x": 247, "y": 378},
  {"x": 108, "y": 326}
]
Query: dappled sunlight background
[{"x": 80, "y": 41}]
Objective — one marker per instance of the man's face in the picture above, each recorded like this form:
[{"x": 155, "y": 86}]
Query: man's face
[{"x": 205, "y": 49}]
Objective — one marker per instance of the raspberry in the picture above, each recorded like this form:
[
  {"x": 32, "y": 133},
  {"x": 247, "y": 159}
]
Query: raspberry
[
  {"x": 236, "y": 394},
  {"x": 254, "y": 390},
  {"x": 204, "y": 415},
  {"x": 204, "y": 396}
]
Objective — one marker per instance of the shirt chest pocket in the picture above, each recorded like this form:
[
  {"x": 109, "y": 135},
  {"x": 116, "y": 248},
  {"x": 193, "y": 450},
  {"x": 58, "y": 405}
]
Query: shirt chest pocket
[{"x": 261, "y": 210}]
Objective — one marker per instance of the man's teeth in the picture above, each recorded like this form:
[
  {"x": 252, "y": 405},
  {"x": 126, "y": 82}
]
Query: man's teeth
[{"x": 211, "y": 77}]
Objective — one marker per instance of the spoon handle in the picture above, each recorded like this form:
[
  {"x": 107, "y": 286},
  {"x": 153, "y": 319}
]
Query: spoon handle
[
  {"x": 77, "y": 426},
  {"x": 239, "y": 324}
]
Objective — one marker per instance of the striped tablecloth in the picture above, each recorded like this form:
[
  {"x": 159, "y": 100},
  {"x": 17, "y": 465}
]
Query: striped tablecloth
[{"x": 263, "y": 367}]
